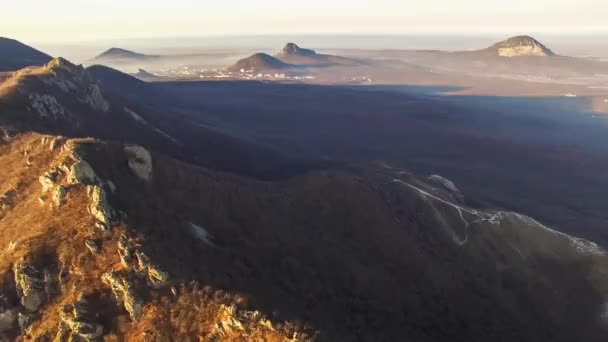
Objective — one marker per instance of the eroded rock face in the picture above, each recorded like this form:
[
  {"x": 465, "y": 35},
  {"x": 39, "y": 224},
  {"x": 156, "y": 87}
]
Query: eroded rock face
[
  {"x": 76, "y": 323},
  {"x": 92, "y": 246},
  {"x": 125, "y": 293},
  {"x": 82, "y": 173},
  {"x": 228, "y": 323},
  {"x": 47, "y": 106},
  {"x": 59, "y": 194},
  {"x": 94, "y": 98},
  {"x": 124, "y": 251},
  {"x": 157, "y": 278},
  {"x": 47, "y": 180},
  {"x": 140, "y": 161},
  {"x": 99, "y": 206},
  {"x": 30, "y": 286}
]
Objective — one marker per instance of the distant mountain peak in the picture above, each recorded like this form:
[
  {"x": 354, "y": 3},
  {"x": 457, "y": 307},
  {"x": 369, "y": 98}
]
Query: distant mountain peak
[
  {"x": 520, "y": 46},
  {"x": 119, "y": 53},
  {"x": 292, "y": 49},
  {"x": 259, "y": 62}
]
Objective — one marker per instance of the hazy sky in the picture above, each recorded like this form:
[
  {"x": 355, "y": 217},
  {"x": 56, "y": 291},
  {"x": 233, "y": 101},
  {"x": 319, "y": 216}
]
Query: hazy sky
[{"x": 77, "y": 20}]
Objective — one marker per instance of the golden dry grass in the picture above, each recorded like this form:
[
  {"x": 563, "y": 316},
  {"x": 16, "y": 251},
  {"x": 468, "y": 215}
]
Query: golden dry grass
[{"x": 54, "y": 238}]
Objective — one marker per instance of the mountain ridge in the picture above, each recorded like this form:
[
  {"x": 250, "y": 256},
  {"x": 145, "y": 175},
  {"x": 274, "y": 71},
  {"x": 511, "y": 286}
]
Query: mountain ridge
[{"x": 15, "y": 55}]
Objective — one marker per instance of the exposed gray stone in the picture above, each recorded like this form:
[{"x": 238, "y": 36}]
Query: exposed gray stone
[
  {"x": 99, "y": 206},
  {"x": 82, "y": 173},
  {"x": 78, "y": 323},
  {"x": 8, "y": 320},
  {"x": 140, "y": 161},
  {"x": 30, "y": 287},
  {"x": 125, "y": 293},
  {"x": 59, "y": 194}
]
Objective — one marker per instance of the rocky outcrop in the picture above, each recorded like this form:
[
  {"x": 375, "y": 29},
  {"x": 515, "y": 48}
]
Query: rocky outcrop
[
  {"x": 99, "y": 206},
  {"x": 95, "y": 99},
  {"x": 8, "y": 320},
  {"x": 140, "y": 161},
  {"x": 125, "y": 251},
  {"x": 82, "y": 173},
  {"x": 30, "y": 286},
  {"x": 292, "y": 49},
  {"x": 156, "y": 277},
  {"x": 48, "y": 180},
  {"x": 47, "y": 106},
  {"x": 92, "y": 246},
  {"x": 76, "y": 323},
  {"x": 228, "y": 323},
  {"x": 59, "y": 194},
  {"x": 125, "y": 293}
]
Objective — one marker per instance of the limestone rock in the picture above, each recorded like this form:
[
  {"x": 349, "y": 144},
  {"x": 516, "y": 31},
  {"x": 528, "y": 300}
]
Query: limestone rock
[
  {"x": 55, "y": 142},
  {"x": 124, "y": 292},
  {"x": 59, "y": 194},
  {"x": 92, "y": 246},
  {"x": 47, "y": 180},
  {"x": 8, "y": 320},
  {"x": 47, "y": 106},
  {"x": 78, "y": 322},
  {"x": 99, "y": 207},
  {"x": 124, "y": 251},
  {"x": 228, "y": 323},
  {"x": 30, "y": 287},
  {"x": 24, "y": 321},
  {"x": 140, "y": 161},
  {"x": 94, "y": 98},
  {"x": 82, "y": 173},
  {"x": 157, "y": 278}
]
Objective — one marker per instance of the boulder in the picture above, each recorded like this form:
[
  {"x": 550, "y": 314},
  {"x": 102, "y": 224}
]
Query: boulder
[
  {"x": 82, "y": 173},
  {"x": 8, "y": 320},
  {"x": 140, "y": 161}
]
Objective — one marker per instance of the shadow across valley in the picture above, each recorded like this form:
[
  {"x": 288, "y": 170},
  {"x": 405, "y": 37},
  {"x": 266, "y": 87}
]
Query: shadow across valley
[{"x": 539, "y": 156}]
